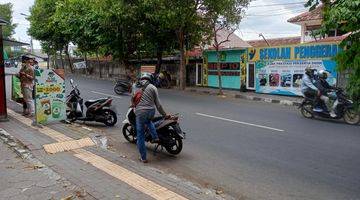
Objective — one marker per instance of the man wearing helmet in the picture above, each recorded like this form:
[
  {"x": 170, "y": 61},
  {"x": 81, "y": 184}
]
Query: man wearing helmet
[
  {"x": 308, "y": 87},
  {"x": 324, "y": 87},
  {"x": 145, "y": 111}
]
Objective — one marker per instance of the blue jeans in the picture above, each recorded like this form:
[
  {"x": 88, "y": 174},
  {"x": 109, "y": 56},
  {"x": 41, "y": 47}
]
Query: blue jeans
[{"x": 142, "y": 119}]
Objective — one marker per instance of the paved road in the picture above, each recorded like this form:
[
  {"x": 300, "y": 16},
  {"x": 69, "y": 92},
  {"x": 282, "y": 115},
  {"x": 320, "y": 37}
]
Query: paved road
[{"x": 251, "y": 150}]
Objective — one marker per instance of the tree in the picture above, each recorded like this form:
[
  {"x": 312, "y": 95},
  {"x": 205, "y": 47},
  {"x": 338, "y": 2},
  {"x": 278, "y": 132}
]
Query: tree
[
  {"x": 155, "y": 38},
  {"x": 345, "y": 16},
  {"x": 45, "y": 27},
  {"x": 224, "y": 17},
  {"x": 6, "y": 13},
  {"x": 185, "y": 19},
  {"x": 48, "y": 48}
]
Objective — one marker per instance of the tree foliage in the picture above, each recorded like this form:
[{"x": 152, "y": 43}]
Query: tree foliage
[
  {"x": 344, "y": 15},
  {"x": 6, "y": 13},
  {"x": 131, "y": 29}
]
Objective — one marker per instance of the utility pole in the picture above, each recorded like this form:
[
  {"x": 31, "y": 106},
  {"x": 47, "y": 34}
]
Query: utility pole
[
  {"x": 261, "y": 35},
  {"x": 3, "y": 108}
]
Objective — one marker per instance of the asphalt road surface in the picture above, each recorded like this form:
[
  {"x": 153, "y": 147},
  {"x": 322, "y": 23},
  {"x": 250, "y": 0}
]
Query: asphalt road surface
[{"x": 250, "y": 150}]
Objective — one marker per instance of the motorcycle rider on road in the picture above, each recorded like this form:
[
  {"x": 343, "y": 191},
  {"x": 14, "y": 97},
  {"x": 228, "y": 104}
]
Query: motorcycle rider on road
[
  {"x": 324, "y": 87},
  {"x": 308, "y": 87},
  {"x": 145, "y": 111}
]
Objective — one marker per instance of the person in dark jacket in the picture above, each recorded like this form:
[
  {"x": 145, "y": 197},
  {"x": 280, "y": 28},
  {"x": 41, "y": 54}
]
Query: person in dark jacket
[{"x": 324, "y": 88}]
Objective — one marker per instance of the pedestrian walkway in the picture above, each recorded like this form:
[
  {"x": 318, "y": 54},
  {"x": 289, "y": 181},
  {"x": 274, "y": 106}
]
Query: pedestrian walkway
[
  {"x": 20, "y": 179},
  {"x": 102, "y": 173},
  {"x": 250, "y": 95}
]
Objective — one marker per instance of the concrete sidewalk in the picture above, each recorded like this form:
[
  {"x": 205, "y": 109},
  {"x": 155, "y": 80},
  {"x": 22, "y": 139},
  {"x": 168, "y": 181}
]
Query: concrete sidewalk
[
  {"x": 27, "y": 179},
  {"x": 250, "y": 95},
  {"x": 103, "y": 174}
]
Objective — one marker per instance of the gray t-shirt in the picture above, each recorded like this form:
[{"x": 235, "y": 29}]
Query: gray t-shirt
[{"x": 149, "y": 99}]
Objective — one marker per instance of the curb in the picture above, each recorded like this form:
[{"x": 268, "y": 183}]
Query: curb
[
  {"x": 95, "y": 77},
  {"x": 14, "y": 144},
  {"x": 248, "y": 97}
]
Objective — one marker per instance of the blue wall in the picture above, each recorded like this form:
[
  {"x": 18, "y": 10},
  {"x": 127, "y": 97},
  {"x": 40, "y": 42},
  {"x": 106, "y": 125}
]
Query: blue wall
[
  {"x": 231, "y": 82},
  {"x": 231, "y": 56}
]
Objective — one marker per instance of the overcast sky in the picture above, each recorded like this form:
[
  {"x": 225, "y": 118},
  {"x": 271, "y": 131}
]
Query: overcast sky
[{"x": 268, "y": 17}]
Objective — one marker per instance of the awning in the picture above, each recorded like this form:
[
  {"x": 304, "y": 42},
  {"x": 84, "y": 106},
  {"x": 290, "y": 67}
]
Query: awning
[
  {"x": 3, "y": 22},
  {"x": 13, "y": 43}
]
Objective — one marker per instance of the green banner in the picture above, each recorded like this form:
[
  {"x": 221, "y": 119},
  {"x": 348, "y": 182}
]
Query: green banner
[{"x": 16, "y": 94}]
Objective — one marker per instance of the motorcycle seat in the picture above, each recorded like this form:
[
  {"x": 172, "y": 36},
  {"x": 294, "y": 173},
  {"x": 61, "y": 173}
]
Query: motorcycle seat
[
  {"x": 158, "y": 118},
  {"x": 90, "y": 102}
]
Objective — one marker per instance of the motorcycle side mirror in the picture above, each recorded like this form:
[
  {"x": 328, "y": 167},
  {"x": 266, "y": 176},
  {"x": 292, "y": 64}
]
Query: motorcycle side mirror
[{"x": 71, "y": 81}]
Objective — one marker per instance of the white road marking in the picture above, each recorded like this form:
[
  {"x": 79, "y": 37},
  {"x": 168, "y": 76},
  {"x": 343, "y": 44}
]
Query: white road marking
[
  {"x": 108, "y": 95},
  {"x": 240, "y": 122}
]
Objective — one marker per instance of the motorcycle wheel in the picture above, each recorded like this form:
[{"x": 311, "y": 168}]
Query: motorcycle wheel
[
  {"x": 71, "y": 116},
  {"x": 175, "y": 149},
  {"x": 129, "y": 133},
  {"x": 351, "y": 117},
  {"x": 305, "y": 110},
  {"x": 119, "y": 90},
  {"x": 110, "y": 117}
]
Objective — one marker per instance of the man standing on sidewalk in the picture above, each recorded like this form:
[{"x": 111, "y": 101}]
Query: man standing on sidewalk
[
  {"x": 26, "y": 76},
  {"x": 145, "y": 111}
]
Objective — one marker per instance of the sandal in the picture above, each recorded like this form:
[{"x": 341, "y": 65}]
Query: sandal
[
  {"x": 143, "y": 161},
  {"x": 155, "y": 141}
]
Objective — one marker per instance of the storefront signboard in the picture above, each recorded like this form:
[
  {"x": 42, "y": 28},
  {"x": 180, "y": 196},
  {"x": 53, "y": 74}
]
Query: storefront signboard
[
  {"x": 50, "y": 95},
  {"x": 279, "y": 70},
  {"x": 147, "y": 69}
]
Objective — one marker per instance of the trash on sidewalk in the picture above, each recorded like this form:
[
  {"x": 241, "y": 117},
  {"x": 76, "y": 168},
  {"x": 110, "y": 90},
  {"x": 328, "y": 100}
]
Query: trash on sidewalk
[
  {"x": 81, "y": 193},
  {"x": 70, "y": 197},
  {"x": 24, "y": 189},
  {"x": 87, "y": 128},
  {"x": 101, "y": 141},
  {"x": 35, "y": 166}
]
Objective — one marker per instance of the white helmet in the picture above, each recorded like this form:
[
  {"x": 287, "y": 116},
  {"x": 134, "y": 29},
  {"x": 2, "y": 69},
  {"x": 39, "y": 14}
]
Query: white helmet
[{"x": 323, "y": 74}]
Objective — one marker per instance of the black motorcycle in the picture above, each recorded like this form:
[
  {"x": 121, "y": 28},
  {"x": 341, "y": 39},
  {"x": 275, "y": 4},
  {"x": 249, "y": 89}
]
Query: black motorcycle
[
  {"x": 168, "y": 130},
  {"x": 343, "y": 110},
  {"x": 122, "y": 86},
  {"x": 99, "y": 110}
]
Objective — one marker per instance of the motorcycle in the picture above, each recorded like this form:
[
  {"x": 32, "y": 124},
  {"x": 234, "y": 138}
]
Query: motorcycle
[
  {"x": 122, "y": 86},
  {"x": 344, "y": 108},
  {"x": 99, "y": 110},
  {"x": 161, "y": 81},
  {"x": 168, "y": 130}
]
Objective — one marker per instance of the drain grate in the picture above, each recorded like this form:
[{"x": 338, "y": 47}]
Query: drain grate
[{"x": 68, "y": 145}]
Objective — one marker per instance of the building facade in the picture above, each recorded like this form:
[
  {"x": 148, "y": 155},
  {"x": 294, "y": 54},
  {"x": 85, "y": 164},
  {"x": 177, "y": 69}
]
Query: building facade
[{"x": 276, "y": 66}]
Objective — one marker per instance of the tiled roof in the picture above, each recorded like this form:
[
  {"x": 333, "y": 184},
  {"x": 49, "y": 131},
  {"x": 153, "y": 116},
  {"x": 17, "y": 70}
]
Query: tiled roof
[
  {"x": 307, "y": 16},
  {"x": 275, "y": 41},
  {"x": 332, "y": 39},
  {"x": 233, "y": 43},
  {"x": 196, "y": 52}
]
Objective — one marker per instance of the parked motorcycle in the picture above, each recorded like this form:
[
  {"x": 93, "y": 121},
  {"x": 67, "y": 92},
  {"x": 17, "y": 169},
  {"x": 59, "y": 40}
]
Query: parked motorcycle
[
  {"x": 161, "y": 80},
  {"x": 122, "y": 86},
  {"x": 344, "y": 108},
  {"x": 168, "y": 130},
  {"x": 99, "y": 110}
]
